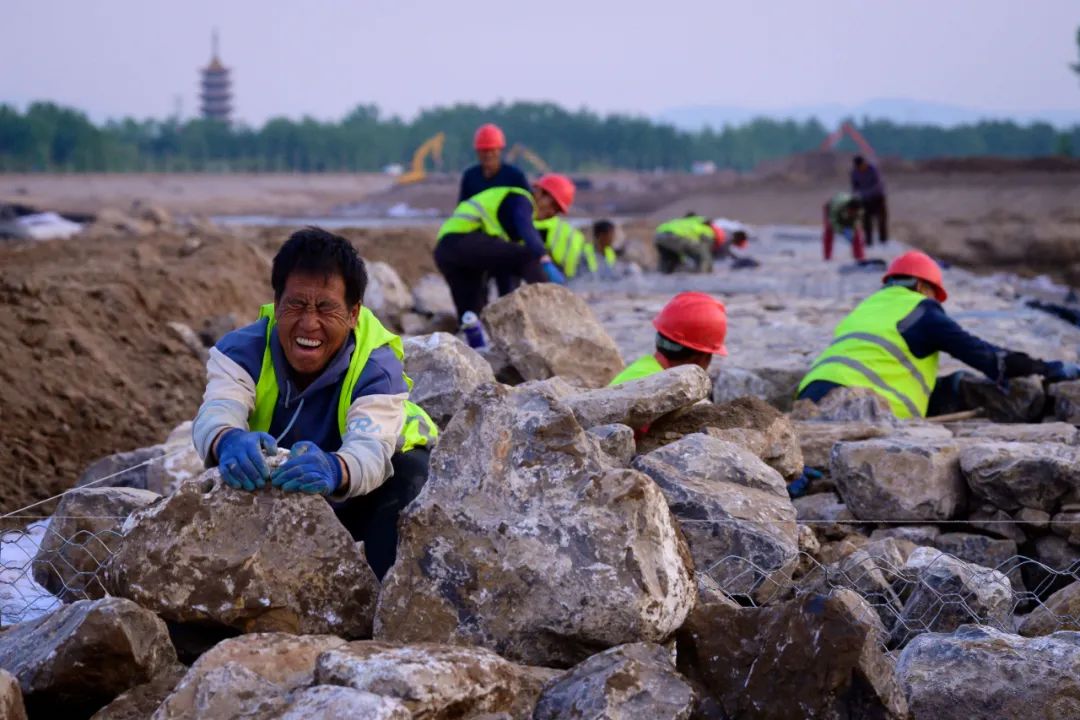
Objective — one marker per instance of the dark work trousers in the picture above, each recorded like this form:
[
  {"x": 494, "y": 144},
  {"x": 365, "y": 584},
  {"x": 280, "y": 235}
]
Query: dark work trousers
[
  {"x": 373, "y": 518},
  {"x": 467, "y": 260},
  {"x": 874, "y": 209},
  {"x": 827, "y": 234}
]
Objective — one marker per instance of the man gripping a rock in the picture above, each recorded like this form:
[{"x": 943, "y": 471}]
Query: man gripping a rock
[{"x": 317, "y": 373}]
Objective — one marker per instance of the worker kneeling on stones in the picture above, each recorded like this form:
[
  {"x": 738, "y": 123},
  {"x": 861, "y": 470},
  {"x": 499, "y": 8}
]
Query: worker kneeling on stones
[
  {"x": 492, "y": 235},
  {"x": 321, "y": 374},
  {"x": 691, "y": 238},
  {"x": 891, "y": 341},
  {"x": 689, "y": 331}
]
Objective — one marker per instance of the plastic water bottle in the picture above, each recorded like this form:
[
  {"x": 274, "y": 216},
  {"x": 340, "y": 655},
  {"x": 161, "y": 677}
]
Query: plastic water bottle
[{"x": 474, "y": 331}]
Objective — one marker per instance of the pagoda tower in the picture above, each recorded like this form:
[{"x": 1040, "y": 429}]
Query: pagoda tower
[{"x": 216, "y": 92}]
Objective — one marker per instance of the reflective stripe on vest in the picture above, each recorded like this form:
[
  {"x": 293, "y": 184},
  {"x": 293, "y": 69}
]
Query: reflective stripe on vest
[
  {"x": 419, "y": 429},
  {"x": 869, "y": 351},
  {"x": 693, "y": 228},
  {"x": 642, "y": 367},
  {"x": 564, "y": 243},
  {"x": 481, "y": 212}
]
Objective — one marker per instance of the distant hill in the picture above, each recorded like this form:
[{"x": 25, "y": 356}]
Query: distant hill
[{"x": 900, "y": 110}]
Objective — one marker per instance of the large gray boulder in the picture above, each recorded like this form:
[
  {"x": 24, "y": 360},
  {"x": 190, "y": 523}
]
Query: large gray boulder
[
  {"x": 847, "y": 405},
  {"x": 733, "y": 509},
  {"x": 333, "y": 701},
  {"x": 624, "y": 683},
  {"x": 1045, "y": 432},
  {"x": 892, "y": 479},
  {"x": 141, "y": 701},
  {"x": 981, "y": 673},
  {"x": 81, "y": 536},
  {"x": 1060, "y": 611},
  {"x": 546, "y": 330},
  {"x": 640, "y": 402},
  {"x": 946, "y": 592},
  {"x": 71, "y": 662},
  {"x": 387, "y": 295},
  {"x": 526, "y": 542},
  {"x": 280, "y": 662},
  {"x": 995, "y": 553},
  {"x": 444, "y": 372},
  {"x": 820, "y": 656},
  {"x": 431, "y": 296},
  {"x": 816, "y": 439},
  {"x": 1014, "y": 475},
  {"x": 439, "y": 682},
  {"x": 775, "y": 384},
  {"x": 1066, "y": 396},
  {"x": 826, "y": 514},
  {"x": 253, "y": 561}
]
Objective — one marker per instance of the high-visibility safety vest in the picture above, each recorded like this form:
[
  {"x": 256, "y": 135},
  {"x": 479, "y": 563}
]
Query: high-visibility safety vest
[
  {"x": 481, "y": 212},
  {"x": 566, "y": 244},
  {"x": 590, "y": 256},
  {"x": 642, "y": 367},
  {"x": 369, "y": 333},
  {"x": 868, "y": 351},
  {"x": 694, "y": 227}
]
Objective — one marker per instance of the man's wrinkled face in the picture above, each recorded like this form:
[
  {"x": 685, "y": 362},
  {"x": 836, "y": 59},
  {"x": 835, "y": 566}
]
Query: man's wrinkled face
[
  {"x": 313, "y": 320},
  {"x": 489, "y": 160}
]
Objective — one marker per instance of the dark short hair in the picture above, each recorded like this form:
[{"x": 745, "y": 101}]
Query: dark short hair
[
  {"x": 739, "y": 236},
  {"x": 858, "y": 160},
  {"x": 316, "y": 251},
  {"x": 602, "y": 226}
]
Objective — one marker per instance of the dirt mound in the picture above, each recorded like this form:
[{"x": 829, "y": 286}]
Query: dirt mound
[{"x": 90, "y": 365}]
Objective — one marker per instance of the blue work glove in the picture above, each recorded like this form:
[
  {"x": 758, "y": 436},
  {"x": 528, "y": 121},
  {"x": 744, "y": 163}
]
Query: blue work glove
[
  {"x": 801, "y": 485},
  {"x": 849, "y": 234},
  {"x": 554, "y": 274},
  {"x": 1057, "y": 371},
  {"x": 242, "y": 458},
  {"x": 309, "y": 470}
]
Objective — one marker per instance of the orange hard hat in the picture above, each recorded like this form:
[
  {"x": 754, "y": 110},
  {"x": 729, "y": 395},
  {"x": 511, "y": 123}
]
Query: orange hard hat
[
  {"x": 560, "y": 188},
  {"x": 921, "y": 266},
  {"x": 489, "y": 137},
  {"x": 694, "y": 320}
]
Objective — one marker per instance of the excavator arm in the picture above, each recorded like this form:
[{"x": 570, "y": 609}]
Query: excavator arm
[
  {"x": 520, "y": 151},
  {"x": 433, "y": 146},
  {"x": 849, "y": 130}
]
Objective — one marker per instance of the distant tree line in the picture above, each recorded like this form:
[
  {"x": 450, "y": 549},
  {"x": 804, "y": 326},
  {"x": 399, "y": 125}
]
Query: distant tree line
[{"x": 48, "y": 137}]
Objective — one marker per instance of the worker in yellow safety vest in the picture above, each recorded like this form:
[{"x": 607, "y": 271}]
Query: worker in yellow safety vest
[
  {"x": 890, "y": 344},
  {"x": 691, "y": 238},
  {"x": 318, "y": 373},
  {"x": 492, "y": 235},
  {"x": 569, "y": 248},
  {"x": 690, "y": 329}
]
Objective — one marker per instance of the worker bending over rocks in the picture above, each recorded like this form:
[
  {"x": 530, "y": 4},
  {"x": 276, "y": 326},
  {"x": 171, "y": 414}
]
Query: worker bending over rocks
[
  {"x": 890, "y": 344},
  {"x": 318, "y": 374}
]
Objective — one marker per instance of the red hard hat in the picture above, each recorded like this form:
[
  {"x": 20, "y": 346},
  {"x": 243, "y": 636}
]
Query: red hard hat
[
  {"x": 694, "y": 320},
  {"x": 719, "y": 234},
  {"x": 489, "y": 137},
  {"x": 918, "y": 265},
  {"x": 559, "y": 187}
]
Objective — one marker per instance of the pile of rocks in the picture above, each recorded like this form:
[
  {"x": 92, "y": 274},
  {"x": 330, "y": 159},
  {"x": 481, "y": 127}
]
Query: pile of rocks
[{"x": 560, "y": 563}]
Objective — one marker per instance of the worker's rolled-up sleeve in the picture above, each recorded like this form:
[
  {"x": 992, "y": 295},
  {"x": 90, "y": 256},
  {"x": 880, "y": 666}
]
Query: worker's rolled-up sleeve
[
  {"x": 372, "y": 428},
  {"x": 227, "y": 402}
]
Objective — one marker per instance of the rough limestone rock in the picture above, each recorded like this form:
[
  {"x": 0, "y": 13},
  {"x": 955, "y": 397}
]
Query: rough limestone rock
[
  {"x": 617, "y": 441},
  {"x": 980, "y": 673},
  {"x": 816, "y": 439},
  {"x": 1058, "y": 565},
  {"x": 1067, "y": 525},
  {"x": 546, "y": 330},
  {"x": 887, "y": 479},
  {"x": 871, "y": 572},
  {"x": 915, "y": 534},
  {"x": 775, "y": 384},
  {"x": 1022, "y": 403},
  {"x": 80, "y": 657},
  {"x": 110, "y": 465},
  {"x": 1066, "y": 396},
  {"x": 180, "y": 462},
  {"x": 826, "y": 514},
  {"x": 228, "y": 691},
  {"x": 1015, "y": 475},
  {"x": 733, "y": 509},
  {"x": 11, "y": 700},
  {"x": 444, "y": 372},
  {"x": 1047, "y": 432},
  {"x": 254, "y": 561},
  {"x": 283, "y": 662},
  {"x": 1060, "y": 611},
  {"x": 387, "y": 295},
  {"x": 624, "y": 683},
  {"x": 81, "y": 536},
  {"x": 817, "y": 657},
  {"x": 1032, "y": 519},
  {"x": 998, "y": 523},
  {"x": 141, "y": 701},
  {"x": 440, "y": 682},
  {"x": 846, "y": 405},
  {"x": 640, "y": 402},
  {"x": 332, "y": 701},
  {"x": 947, "y": 592},
  {"x": 524, "y": 541},
  {"x": 994, "y": 553},
  {"x": 431, "y": 296},
  {"x": 780, "y": 450}
]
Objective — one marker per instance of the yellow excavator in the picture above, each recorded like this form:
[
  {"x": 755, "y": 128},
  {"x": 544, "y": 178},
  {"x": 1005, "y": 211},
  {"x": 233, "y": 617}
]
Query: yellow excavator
[
  {"x": 432, "y": 146},
  {"x": 520, "y": 151}
]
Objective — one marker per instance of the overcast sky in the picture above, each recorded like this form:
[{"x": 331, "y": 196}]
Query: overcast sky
[{"x": 322, "y": 57}]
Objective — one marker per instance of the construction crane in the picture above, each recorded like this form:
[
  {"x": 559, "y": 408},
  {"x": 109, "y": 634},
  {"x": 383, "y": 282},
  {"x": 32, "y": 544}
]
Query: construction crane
[
  {"x": 519, "y": 150},
  {"x": 849, "y": 130},
  {"x": 432, "y": 146}
]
